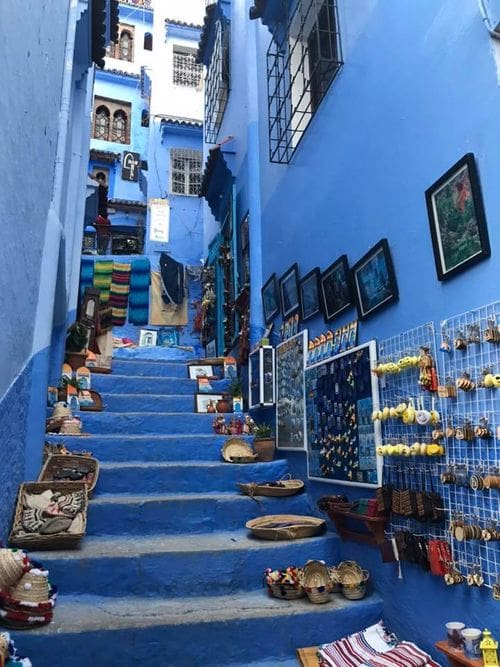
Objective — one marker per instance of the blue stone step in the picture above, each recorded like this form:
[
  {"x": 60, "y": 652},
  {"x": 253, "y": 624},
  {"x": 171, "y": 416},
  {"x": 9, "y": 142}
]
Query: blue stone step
[
  {"x": 121, "y": 514},
  {"x": 180, "y": 565},
  {"x": 190, "y": 632},
  {"x": 200, "y": 447},
  {"x": 153, "y": 423},
  {"x": 173, "y": 369},
  {"x": 148, "y": 403},
  {"x": 184, "y": 477},
  {"x": 138, "y": 384}
]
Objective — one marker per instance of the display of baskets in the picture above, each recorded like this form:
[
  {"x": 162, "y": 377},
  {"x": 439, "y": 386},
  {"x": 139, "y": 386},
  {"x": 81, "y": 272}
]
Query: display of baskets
[
  {"x": 285, "y": 526},
  {"x": 236, "y": 450},
  {"x": 56, "y": 464},
  {"x": 55, "y": 539},
  {"x": 316, "y": 581},
  {"x": 278, "y": 489}
]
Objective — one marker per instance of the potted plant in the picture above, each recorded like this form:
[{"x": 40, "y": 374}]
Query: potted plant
[
  {"x": 76, "y": 342},
  {"x": 236, "y": 389},
  {"x": 264, "y": 443}
]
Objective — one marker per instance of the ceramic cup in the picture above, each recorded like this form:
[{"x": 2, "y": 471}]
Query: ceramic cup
[
  {"x": 454, "y": 631},
  {"x": 472, "y": 639}
]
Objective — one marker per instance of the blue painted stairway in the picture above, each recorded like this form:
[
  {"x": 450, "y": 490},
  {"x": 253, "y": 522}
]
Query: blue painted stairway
[{"x": 167, "y": 574}]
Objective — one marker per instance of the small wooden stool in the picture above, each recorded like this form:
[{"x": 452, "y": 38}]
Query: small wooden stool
[{"x": 456, "y": 657}]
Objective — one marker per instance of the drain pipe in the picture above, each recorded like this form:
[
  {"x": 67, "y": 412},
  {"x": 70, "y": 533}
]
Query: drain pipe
[{"x": 54, "y": 237}]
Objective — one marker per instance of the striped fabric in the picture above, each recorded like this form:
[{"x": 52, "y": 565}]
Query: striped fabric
[
  {"x": 103, "y": 270},
  {"x": 140, "y": 278},
  {"x": 119, "y": 291},
  {"x": 86, "y": 274}
]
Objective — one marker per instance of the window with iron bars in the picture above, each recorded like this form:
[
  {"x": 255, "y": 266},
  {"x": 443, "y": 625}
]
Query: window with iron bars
[
  {"x": 302, "y": 61},
  {"x": 217, "y": 82},
  {"x": 186, "y": 71},
  {"x": 185, "y": 171}
]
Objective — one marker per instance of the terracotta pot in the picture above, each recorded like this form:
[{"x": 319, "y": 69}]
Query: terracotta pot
[
  {"x": 264, "y": 448},
  {"x": 76, "y": 359},
  {"x": 223, "y": 405}
]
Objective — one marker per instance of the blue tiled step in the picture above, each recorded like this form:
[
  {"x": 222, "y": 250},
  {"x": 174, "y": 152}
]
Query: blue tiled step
[
  {"x": 177, "y": 369},
  {"x": 148, "y": 403},
  {"x": 121, "y": 514},
  {"x": 126, "y": 447},
  {"x": 190, "y": 632},
  {"x": 184, "y": 477},
  {"x": 137, "y": 384},
  {"x": 182, "y": 565},
  {"x": 147, "y": 422}
]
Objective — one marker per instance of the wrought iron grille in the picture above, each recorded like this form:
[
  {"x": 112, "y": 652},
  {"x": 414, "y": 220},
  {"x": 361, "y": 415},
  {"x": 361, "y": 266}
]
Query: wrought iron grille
[
  {"x": 217, "y": 82},
  {"x": 302, "y": 60},
  {"x": 185, "y": 171},
  {"x": 186, "y": 71}
]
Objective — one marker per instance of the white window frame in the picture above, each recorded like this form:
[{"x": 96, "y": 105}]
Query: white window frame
[
  {"x": 180, "y": 180},
  {"x": 186, "y": 72}
]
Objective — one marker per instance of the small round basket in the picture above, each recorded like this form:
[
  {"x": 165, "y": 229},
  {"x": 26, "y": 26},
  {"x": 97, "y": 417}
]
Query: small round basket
[
  {"x": 286, "y": 591},
  {"x": 236, "y": 450},
  {"x": 285, "y": 526},
  {"x": 316, "y": 581},
  {"x": 13, "y": 563},
  {"x": 354, "y": 591},
  {"x": 349, "y": 573},
  {"x": 32, "y": 587},
  {"x": 284, "y": 584}
]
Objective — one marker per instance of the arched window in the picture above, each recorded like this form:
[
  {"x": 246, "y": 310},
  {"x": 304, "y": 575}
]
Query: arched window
[
  {"x": 119, "y": 130},
  {"x": 101, "y": 123},
  {"x": 144, "y": 118},
  {"x": 148, "y": 41},
  {"x": 125, "y": 46}
]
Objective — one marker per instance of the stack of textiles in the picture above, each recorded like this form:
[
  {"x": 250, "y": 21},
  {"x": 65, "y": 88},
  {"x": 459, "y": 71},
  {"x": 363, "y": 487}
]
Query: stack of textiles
[
  {"x": 102, "y": 277},
  {"x": 373, "y": 647},
  {"x": 119, "y": 292},
  {"x": 138, "y": 302},
  {"x": 86, "y": 274}
]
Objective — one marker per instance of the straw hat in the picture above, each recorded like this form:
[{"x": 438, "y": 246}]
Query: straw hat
[
  {"x": 71, "y": 426},
  {"x": 13, "y": 563},
  {"x": 33, "y": 587},
  {"x": 61, "y": 409},
  {"x": 4, "y": 646}
]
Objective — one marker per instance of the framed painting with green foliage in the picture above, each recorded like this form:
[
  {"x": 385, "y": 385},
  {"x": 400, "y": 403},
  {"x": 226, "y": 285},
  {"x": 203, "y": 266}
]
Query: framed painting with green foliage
[{"x": 456, "y": 216}]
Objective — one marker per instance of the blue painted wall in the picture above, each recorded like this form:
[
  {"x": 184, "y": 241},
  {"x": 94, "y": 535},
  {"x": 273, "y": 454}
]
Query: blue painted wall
[{"x": 403, "y": 109}]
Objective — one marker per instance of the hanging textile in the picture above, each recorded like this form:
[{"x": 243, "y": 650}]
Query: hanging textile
[
  {"x": 119, "y": 291},
  {"x": 172, "y": 277},
  {"x": 163, "y": 314},
  {"x": 86, "y": 274},
  {"x": 138, "y": 300},
  {"x": 102, "y": 277}
]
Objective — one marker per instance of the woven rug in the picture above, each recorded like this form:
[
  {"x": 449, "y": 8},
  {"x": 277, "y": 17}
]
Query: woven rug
[
  {"x": 138, "y": 302},
  {"x": 103, "y": 270},
  {"x": 119, "y": 291}
]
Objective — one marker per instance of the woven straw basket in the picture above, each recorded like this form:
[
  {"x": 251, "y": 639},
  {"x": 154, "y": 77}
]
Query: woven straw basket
[
  {"x": 285, "y": 526},
  {"x": 236, "y": 450},
  {"x": 286, "y": 591},
  {"x": 287, "y": 487},
  {"x": 56, "y": 462},
  {"x": 55, "y": 541},
  {"x": 33, "y": 587},
  {"x": 349, "y": 573},
  {"x": 12, "y": 566},
  {"x": 316, "y": 581}
]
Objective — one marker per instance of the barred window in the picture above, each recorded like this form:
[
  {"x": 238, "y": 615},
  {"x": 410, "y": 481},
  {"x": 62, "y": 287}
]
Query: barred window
[
  {"x": 217, "y": 82},
  {"x": 119, "y": 127},
  {"x": 101, "y": 123},
  {"x": 186, "y": 71},
  {"x": 302, "y": 61},
  {"x": 123, "y": 48},
  {"x": 185, "y": 171}
]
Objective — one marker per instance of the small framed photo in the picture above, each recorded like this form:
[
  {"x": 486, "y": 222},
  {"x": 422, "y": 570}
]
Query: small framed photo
[
  {"x": 289, "y": 291},
  {"x": 457, "y": 220},
  {"x": 207, "y": 402},
  {"x": 336, "y": 288},
  {"x": 147, "y": 337},
  {"x": 200, "y": 370},
  {"x": 270, "y": 299},
  {"x": 374, "y": 280},
  {"x": 309, "y": 294}
]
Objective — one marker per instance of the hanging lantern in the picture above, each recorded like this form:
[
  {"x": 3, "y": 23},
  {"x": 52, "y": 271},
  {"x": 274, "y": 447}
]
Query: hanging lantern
[
  {"x": 488, "y": 648},
  {"x": 89, "y": 241}
]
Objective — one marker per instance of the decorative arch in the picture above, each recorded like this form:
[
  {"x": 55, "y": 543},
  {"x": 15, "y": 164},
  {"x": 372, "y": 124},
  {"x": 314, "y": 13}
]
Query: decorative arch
[
  {"x": 101, "y": 123},
  {"x": 120, "y": 127},
  {"x": 125, "y": 45}
]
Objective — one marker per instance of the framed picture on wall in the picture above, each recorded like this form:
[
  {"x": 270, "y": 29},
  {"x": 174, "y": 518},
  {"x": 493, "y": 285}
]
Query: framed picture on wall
[
  {"x": 457, "y": 220},
  {"x": 289, "y": 291},
  {"x": 309, "y": 294},
  {"x": 270, "y": 299},
  {"x": 336, "y": 288},
  {"x": 148, "y": 337},
  {"x": 375, "y": 285}
]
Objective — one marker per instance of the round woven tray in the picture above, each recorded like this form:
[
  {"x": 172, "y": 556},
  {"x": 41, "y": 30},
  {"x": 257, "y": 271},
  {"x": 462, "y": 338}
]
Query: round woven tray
[
  {"x": 236, "y": 450},
  {"x": 288, "y": 487},
  {"x": 285, "y": 526}
]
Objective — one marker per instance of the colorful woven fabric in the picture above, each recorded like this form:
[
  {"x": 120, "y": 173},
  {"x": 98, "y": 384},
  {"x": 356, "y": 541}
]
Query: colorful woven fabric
[
  {"x": 119, "y": 291},
  {"x": 103, "y": 270},
  {"x": 138, "y": 304},
  {"x": 86, "y": 274}
]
